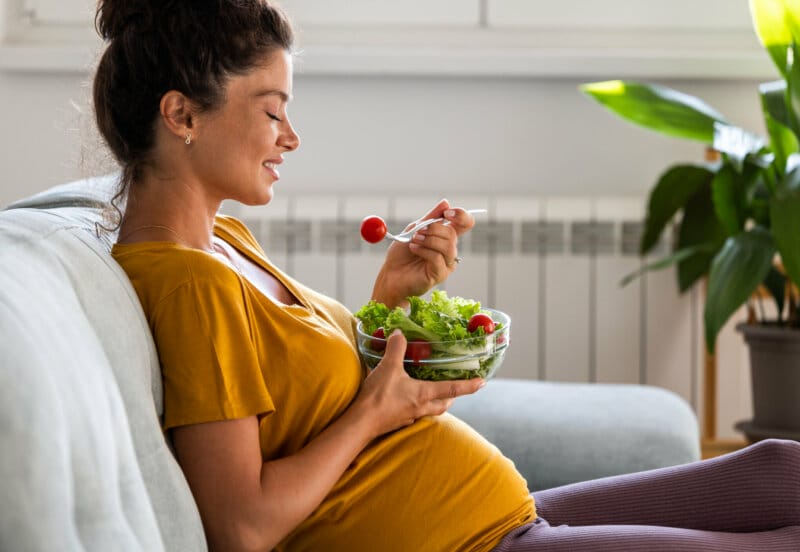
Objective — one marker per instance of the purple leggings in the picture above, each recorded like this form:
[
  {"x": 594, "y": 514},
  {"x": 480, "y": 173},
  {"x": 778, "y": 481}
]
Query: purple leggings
[{"x": 748, "y": 500}]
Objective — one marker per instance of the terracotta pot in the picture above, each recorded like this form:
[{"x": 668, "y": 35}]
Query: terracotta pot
[{"x": 775, "y": 373}]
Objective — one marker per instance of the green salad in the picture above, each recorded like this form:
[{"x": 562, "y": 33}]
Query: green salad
[{"x": 448, "y": 337}]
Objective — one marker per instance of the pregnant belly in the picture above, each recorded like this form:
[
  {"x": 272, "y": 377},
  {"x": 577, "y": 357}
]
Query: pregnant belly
[{"x": 435, "y": 485}]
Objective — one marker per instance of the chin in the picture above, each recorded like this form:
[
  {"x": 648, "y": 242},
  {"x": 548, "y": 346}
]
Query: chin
[{"x": 262, "y": 197}]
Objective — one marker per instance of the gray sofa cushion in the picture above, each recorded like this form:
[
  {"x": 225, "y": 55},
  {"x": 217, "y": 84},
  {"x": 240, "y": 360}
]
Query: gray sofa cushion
[
  {"x": 559, "y": 433},
  {"x": 79, "y": 399}
]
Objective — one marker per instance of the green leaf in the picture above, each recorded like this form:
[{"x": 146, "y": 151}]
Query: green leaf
[
  {"x": 737, "y": 270},
  {"x": 758, "y": 200},
  {"x": 793, "y": 86},
  {"x": 730, "y": 191},
  {"x": 776, "y": 25},
  {"x": 657, "y": 108},
  {"x": 664, "y": 262},
  {"x": 791, "y": 182},
  {"x": 736, "y": 142},
  {"x": 775, "y": 282},
  {"x": 785, "y": 219},
  {"x": 783, "y": 141},
  {"x": 773, "y": 100},
  {"x": 699, "y": 225},
  {"x": 673, "y": 189}
]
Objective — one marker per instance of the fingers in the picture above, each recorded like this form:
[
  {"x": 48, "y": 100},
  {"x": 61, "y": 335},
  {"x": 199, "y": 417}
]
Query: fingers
[
  {"x": 438, "y": 246},
  {"x": 438, "y": 210},
  {"x": 426, "y": 391},
  {"x": 459, "y": 219},
  {"x": 455, "y": 388},
  {"x": 395, "y": 399},
  {"x": 396, "y": 343},
  {"x": 439, "y": 395},
  {"x": 438, "y": 243},
  {"x": 438, "y": 407},
  {"x": 395, "y": 348}
]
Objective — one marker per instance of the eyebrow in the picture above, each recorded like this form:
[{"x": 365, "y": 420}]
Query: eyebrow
[{"x": 273, "y": 92}]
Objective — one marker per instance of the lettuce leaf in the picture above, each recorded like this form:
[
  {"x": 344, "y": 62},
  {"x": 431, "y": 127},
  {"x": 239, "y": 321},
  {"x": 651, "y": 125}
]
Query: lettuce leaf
[{"x": 441, "y": 318}]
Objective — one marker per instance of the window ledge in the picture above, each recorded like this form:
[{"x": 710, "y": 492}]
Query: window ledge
[{"x": 479, "y": 53}]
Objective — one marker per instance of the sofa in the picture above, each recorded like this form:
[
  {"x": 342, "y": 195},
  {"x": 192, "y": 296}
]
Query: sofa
[{"x": 84, "y": 462}]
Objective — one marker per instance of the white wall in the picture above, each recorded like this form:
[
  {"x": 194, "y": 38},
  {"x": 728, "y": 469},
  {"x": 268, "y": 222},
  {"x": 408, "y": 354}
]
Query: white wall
[
  {"x": 375, "y": 110},
  {"x": 410, "y": 128},
  {"x": 453, "y": 134},
  {"x": 38, "y": 136}
]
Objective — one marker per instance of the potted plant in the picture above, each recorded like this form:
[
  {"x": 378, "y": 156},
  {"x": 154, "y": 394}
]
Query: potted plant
[{"x": 739, "y": 216}]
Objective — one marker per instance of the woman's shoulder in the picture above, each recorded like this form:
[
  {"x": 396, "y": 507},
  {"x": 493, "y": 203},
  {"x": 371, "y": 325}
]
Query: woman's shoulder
[
  {"x": 159, "y": 268},
  {"x": 160, "y": 256},
  {"x": 231, "y": 227}
]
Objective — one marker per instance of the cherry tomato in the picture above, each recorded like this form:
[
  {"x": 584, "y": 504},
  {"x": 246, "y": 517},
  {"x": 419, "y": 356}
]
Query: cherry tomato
[
  {"x": 373, "y": 229},
  {"x": 380, "y": 343},
  {"x": 479, "y": 320},
  {"x": 417, "y": 349}
]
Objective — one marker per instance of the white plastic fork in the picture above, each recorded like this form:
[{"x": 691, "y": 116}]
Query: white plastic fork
[{"x": 405, "y": 236}]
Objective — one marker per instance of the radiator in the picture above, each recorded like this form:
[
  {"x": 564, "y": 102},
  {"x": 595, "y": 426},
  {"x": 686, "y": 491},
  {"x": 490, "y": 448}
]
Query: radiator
[{"x": 552, "y": 263}]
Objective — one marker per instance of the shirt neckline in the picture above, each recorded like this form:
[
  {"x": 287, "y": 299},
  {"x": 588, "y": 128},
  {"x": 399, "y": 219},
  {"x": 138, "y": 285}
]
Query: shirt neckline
[
  {"x": 251, "y": 254},
  {"x": 248, "y": 252}
]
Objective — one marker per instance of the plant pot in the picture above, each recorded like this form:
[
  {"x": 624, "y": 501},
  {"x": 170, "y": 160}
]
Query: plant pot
[{"x": 775, "y": 373}]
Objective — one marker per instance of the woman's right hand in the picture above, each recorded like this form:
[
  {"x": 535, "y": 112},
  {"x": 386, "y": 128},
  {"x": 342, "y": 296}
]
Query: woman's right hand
[{"x": 394, "y": 399}]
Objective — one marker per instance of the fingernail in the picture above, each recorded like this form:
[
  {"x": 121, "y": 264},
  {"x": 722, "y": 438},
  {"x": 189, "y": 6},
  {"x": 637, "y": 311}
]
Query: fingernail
[
  {"x": 450, "y": 213},
  {"x": 483, "y": 383},
  {"x": 395, "y": 332},
  {"x": 419, "y": 236}
]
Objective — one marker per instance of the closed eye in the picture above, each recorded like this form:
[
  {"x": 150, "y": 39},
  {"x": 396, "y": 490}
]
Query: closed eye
[{"x": 274, "y": 117}]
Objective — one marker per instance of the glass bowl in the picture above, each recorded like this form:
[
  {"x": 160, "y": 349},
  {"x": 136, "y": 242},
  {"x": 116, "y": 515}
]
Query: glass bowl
[{"x": 474, "y": 357}]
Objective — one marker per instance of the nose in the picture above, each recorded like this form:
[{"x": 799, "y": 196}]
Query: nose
[{"x": 289, "y": 139}]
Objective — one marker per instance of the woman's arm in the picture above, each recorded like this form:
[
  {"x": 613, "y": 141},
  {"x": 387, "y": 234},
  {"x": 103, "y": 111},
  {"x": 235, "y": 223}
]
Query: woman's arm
[
  {"x": 415, "y": 267},
  {"x": 247, "y": 504}
]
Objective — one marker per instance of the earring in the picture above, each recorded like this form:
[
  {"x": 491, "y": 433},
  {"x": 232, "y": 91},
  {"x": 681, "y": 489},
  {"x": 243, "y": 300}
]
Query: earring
[{"x": 188, "y": 138}]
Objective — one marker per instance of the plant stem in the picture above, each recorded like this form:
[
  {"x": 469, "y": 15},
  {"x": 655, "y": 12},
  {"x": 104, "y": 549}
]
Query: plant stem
[
  {"x": 771, "y": 178},
  {"x": 761, "y": 313}
]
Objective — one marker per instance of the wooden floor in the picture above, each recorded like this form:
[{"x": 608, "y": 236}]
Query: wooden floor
[{"x": 709, "y": 448}]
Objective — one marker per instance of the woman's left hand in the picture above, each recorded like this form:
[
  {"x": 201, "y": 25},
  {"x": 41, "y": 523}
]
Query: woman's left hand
[{"x": 432, "y": 255}]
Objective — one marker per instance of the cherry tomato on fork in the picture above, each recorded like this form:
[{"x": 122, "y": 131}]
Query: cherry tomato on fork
[
  {"x": 481, "y": 320},
  {"x": 373, "y": 229}
]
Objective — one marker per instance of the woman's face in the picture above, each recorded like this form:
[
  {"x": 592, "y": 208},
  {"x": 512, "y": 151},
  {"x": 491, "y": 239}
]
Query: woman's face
[{"x": 237, "y": 148}]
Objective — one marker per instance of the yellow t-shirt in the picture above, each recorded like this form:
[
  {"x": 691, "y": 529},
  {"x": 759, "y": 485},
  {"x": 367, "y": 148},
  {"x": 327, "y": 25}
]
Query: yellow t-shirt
[{"x": 227, "y": 351}]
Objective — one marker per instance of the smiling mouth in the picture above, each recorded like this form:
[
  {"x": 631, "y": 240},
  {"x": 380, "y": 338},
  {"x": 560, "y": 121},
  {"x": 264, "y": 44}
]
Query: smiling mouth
[{"x": 272, "y": 168}]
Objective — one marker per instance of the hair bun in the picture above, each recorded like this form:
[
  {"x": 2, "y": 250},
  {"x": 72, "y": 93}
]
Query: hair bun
[{"x": 114, "y": 17}]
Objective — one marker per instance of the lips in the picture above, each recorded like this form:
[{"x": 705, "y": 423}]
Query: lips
[{"x": 272, "y": 166}]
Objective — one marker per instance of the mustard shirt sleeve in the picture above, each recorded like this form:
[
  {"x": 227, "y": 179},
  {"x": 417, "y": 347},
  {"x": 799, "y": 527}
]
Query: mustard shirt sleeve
[{"x": 209, "y": 363}]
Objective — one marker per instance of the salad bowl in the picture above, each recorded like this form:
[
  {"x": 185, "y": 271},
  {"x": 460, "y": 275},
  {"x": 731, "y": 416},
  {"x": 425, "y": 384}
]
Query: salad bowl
[{"x": 478, "y": 353}]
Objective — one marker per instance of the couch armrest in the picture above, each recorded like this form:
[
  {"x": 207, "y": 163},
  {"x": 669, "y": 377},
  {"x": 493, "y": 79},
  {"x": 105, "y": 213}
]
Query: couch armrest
[{"x": 559, "y": 433}]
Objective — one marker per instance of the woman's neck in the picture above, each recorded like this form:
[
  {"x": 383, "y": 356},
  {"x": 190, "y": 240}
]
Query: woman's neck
[{"x": 168, "y": 210}]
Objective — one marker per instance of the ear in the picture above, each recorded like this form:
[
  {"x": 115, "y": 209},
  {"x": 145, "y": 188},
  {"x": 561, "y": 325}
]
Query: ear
[{"x": 176, "y": 112}]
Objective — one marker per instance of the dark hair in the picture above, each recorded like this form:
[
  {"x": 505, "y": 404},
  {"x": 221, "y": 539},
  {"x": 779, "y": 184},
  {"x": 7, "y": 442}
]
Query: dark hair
[{"x": 154, "y": 46}]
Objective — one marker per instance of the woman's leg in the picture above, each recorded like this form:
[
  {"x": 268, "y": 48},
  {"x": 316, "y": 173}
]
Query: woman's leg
[
  {"x": 753, "y": 489},
  {"x": 746, "y": 500},
  {"x": 541, "y": 537}
]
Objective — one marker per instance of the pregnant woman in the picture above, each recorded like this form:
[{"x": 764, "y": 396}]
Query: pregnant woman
[{"x": 286, "y": 441}]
